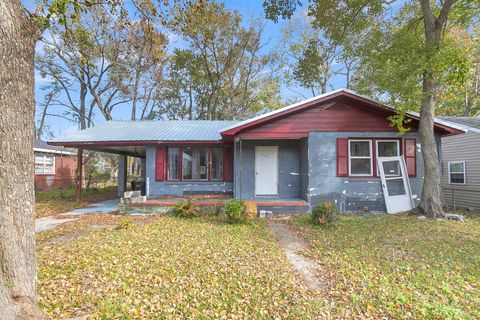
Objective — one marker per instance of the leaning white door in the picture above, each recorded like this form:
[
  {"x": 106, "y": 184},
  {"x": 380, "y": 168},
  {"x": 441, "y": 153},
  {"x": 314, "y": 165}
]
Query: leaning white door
[
  {"x": 266, "y": 170},
  {"x": 395, "y": 184}
]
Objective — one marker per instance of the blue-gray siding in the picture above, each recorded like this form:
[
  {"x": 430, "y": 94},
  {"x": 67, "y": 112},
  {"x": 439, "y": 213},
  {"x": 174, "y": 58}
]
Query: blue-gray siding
[
  {"x": 289, "y": 168},
  {"x": 161, "y": 188},
  {"x": 350, "y": 194}
]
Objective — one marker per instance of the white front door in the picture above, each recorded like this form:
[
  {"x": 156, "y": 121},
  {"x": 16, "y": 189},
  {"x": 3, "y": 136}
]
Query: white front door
[
  {"x": 266, "y": 170},
  {"x": 395, "y": 184}
]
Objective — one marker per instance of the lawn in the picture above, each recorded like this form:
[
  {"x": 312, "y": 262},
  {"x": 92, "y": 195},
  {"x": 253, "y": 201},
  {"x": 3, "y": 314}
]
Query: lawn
[
  {"x": 167, "y": 267},
  {"x": 398, "y": 267},
  {"x": 48, "y": 203}
]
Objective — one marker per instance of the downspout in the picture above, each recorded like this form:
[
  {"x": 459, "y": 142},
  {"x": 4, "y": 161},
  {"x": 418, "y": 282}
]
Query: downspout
[
  {"x": 235, "y": 168},
  {"x": 241, "y": 166}
]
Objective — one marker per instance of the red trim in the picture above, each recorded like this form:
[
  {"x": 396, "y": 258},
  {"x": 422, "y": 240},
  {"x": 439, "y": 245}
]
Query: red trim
[
  {"x": 410, "y": 156},
  {"x": 132, "y": 143},
  {"x": 342, "y": 157},
  {"x": 228, "y": 163},
  {"x": 317, "y": 102},
  {"x": 159, "y": 164}
]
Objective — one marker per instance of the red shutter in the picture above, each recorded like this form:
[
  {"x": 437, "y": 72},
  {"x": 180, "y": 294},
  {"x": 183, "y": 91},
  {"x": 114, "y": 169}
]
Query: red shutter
[
  {"x": 410, "y": 155},
  {"x": 342, "y": 157},
  {"x": 160, "y": 164},
  {"x": 228, "y": 164}
]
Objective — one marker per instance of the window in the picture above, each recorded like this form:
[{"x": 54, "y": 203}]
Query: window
[
  {"x": 44, "y": 163},
  {"x": 173, "y": 172},
  {"x": 195, "y": 163},
  {"x": 388, "y": 148},
  {"x": 216, "y": 163},
  {"x": 360, "y": 158},
  {"x": 456, "y": 172}
]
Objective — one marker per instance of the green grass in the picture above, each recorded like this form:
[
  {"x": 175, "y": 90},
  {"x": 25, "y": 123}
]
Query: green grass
[
  {"x": 198, "y": 268},
  {"x": 398, "y": 266}
]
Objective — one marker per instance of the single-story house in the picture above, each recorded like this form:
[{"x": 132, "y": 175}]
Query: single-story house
[
  {"x": 461, "y": 164},
  {"x": 54, "y": 166},
  {"x": 323, "y": 148}
]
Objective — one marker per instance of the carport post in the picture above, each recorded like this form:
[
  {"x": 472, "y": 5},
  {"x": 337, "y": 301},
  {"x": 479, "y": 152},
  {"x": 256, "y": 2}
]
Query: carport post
[
  {"x": 122, "y": 175},
  {"x": 79, "y": 173}
]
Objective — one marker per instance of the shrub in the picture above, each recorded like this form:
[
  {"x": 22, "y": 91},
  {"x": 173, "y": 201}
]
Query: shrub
[
  {"x": 250, "y": 209},
  {"x": 324, "y": 213},
  {"x": 184, "y": 209},
  {"x": 235, "y": 211},
  {"x": 215, "y": 210},
  {"x": 124, "y": 224}
]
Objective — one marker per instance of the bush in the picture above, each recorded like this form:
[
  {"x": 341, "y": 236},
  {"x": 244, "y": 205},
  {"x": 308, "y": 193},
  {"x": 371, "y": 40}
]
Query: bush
[
  {"x": 215, "y": 210},
  {"x": 124, "y": 224},
  {"x": 235, "y": 211},
  {"x": 324, "y": 213},
  {"x": 184, "y": 209}
]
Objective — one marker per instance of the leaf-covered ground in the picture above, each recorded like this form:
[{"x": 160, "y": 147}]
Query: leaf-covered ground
[
  {"x": 170, "y": 268},
  {"x": 49, "y": 203},
  {"x": 399, "y": 267}
]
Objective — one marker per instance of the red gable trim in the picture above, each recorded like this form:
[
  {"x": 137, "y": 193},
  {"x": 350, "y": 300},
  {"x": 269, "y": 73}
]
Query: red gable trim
[
  {"x": 316, "y": 102},
  {"x": 129, "y": 143}
]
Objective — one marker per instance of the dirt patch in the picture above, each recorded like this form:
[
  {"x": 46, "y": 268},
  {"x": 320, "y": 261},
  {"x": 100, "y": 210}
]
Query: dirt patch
[
  {"x": 72, "y": 236},
  {"x": 292, "y": 245}
]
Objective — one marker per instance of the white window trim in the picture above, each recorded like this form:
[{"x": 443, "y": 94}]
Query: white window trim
[
  {"x": 376, "y": 151},
  {"x": 44, "y": 155},
  {"x": 350, "y": 159},
  {"x": 464, "y": 173}
]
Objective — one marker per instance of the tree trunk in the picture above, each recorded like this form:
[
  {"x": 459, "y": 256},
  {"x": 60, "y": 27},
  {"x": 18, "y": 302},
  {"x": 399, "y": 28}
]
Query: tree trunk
[
  {"x": 82, "y": 114},
  {"x": 17, "y": 240},
  {"x": 431, "y": 201},
  {"x": 431, "y": 204}
]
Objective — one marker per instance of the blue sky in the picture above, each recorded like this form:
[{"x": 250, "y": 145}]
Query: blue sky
[{"x": 248, "y": 9}]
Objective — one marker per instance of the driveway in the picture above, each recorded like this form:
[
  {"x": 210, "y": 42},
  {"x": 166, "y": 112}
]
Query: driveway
[{"x": 49, "y": 223}]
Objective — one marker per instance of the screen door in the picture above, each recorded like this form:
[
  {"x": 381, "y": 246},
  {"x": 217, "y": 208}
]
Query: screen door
[{"x": 395, "y": 184}]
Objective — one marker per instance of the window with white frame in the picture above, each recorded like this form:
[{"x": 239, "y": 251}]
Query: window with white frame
[
  {"x": 456, "y": 172},
  {"x": 388, "y": 148},
  {"x": 44, "y": 163},
  {"x": 360, "y": 158}
]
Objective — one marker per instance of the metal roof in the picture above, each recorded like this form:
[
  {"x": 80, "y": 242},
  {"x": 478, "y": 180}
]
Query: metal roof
[
  {"x": 173, "y": 130},
  {"x": 466, "y": 123}
]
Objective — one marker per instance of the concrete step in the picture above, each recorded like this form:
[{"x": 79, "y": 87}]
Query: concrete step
[{"x": 280, "y": 209}]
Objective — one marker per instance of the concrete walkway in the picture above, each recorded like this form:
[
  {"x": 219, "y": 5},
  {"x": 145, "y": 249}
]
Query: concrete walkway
[
  {"x": 97, "y": 207},
  {"x": 292, "y": 245},
  {"x": 49, "y": 223}
]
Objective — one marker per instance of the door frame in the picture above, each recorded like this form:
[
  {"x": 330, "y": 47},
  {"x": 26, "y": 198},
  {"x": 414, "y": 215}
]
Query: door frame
[{"x": 277, "y": 171}]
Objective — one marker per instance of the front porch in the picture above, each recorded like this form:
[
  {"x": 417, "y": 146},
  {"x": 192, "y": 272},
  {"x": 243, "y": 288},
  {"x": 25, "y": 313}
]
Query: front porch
[
  {"x": 271, "y": 170},
  {"x": 163, "y": 205}
]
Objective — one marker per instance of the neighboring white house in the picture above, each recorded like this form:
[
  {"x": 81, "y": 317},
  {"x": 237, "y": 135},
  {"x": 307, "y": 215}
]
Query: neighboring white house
[{"x": 461, "y": 164}]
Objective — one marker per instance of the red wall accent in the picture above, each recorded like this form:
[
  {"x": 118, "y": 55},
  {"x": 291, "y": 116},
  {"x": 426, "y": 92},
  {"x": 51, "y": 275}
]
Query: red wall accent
[
  {"x": 159, "y": 164},
  {"x": 228, "y": 163},
  {"x": 64, "y": 177},
  {"x": 342, "y": 157},
  {"x": 342, "y": 116},
  {"x": 411, "y": 156}
]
